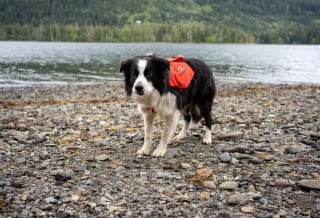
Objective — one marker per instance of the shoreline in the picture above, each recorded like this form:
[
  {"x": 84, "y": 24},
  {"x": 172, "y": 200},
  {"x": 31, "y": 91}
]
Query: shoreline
[{"x": 70, "y": 151}]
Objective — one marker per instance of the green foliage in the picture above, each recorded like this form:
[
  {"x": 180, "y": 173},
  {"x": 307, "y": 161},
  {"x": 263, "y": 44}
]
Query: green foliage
[{"x": 219, "y": 21}]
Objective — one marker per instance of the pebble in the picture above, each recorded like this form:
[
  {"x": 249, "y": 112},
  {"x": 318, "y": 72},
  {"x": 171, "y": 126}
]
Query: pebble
[
  {"x": 229, "y": 185},
  {"x": 231, "y": 136},
  {"x": 75, "y": 197},
  {"x": 209, "y": 184},
  {"x": 281, "y": 182},
  {"x": 50, "y": 200},
  {"x": 310, "y": 183},
  {"x": 225, "y": 157},
  {"x": 293, "y": 149},
  {"x": 21, "y": 160},
  {"x": 102, "y": 157},
  {"x": 237, "y": 199},
  {"x": 205, "y": 195},
  {"x": 237, "y": 148},
  {"x": 247, "y": 209},
  {"x": 186, "y": 166},
  {"x": 163, "y": 175},
  {"x": 171, "y": 153}
]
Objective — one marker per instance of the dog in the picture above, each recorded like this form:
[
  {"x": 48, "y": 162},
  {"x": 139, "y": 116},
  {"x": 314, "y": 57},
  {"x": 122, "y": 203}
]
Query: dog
[{"x": 147, "y": 82}]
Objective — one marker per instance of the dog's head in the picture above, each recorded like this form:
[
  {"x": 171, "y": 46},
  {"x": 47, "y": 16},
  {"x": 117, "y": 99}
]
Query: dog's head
[{"x": 144, "y": 75}]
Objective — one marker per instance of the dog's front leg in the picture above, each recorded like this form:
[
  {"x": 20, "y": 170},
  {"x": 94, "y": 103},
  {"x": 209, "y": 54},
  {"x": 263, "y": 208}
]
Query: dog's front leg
[
  {"x": 148, "y": 132},
  {"x": 170, "y": 127}
]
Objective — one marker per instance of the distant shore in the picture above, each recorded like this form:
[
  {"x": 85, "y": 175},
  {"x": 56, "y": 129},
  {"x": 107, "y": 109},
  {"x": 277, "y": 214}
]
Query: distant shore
[{"x": 69, "y": 151}]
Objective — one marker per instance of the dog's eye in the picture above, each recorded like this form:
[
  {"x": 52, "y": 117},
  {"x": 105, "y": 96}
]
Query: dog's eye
[
  {"x": 147, "y": 73},
  {"x": 135, "y": 73}
]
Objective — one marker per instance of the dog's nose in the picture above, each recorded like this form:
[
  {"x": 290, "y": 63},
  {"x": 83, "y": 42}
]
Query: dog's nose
[{"x": 139, "y": 89}]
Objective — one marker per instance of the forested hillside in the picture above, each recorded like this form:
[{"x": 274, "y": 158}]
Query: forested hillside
[{"x": 244, "y": 21}]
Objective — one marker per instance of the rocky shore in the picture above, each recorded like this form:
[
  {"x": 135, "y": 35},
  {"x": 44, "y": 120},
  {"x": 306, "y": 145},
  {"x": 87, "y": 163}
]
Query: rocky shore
[{"x": 69, "y": 151}]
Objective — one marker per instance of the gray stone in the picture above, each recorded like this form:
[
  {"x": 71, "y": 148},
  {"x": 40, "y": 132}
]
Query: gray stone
[
  {"x": 293, "y": 149},
  {"x": 237, "y": 199},
  {"x": 310, "y": 183},
  {"x": 50, "y": 200},
  {"x": 102, "y": 157},
  {"x": 163, "y": 175},
  {"x": 247, "y": 209},
  {"x": 225, "y": 157},
  {"x": 21, "y": 160},
  {"x": 229, "y": 185},
  {"x": 171, "y": 153},
  {"x": 209, "y": 184}
]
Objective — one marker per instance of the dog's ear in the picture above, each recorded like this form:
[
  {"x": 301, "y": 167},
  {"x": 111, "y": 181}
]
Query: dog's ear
[
  {"x": 125, "y": 65},
  {"x": 126, "y": 68},
  {"x": 161, "y": 73}
]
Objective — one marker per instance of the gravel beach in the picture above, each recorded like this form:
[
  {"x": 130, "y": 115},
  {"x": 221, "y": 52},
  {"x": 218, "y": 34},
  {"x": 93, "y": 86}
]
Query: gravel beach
[{"x": 69, "y": 151}]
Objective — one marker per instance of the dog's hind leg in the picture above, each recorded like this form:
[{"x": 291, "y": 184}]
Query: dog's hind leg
[
  {"x": 206, "y": 113},
  {"x": 170, "y": 127},
  {"x": 148, "y": 132},
  {"x": 182, "y": 134}
]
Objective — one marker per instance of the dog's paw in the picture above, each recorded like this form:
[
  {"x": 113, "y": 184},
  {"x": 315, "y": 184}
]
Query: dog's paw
[
  {"x": 143, "y": 151},
  {"x": 207, "y": 137},
  {"x": 207, "y": 140},
  {"x": 179, "y": 137},
  {"x": 159, "y": 152}
]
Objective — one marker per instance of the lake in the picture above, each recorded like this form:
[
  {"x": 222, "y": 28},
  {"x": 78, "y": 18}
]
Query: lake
[{"x": 55, "y": 63}]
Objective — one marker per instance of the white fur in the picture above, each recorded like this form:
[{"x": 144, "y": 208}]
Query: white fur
[
  {"x": 207, "y": 136},
  {"x": 165, "y": 109}
]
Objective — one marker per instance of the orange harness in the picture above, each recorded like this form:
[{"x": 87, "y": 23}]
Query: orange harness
[{"x": 181, "y": 73}]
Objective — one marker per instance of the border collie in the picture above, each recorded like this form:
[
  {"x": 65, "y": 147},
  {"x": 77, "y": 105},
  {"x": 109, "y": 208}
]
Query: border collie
[{"x": 147, "y": 82}]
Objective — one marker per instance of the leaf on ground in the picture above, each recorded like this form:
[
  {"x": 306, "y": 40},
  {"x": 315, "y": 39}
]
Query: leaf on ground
[
  {"x": 111, "y": 128},
  {"x": 115, "y": 164},
  {"x": 268, "y": 164},
  {"x": 97, "y": 138},
  {"x": 66, "y": 141},
  {"x": 132, "y": 129},
  {"x": 202, "y": 175}
]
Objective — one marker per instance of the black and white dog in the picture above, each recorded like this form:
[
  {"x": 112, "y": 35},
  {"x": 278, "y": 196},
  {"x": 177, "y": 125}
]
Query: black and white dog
[{"x": 147, "y": 82}]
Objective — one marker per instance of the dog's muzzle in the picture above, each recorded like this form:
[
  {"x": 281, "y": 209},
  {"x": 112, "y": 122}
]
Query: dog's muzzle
[{"x": 139, "y": 89}]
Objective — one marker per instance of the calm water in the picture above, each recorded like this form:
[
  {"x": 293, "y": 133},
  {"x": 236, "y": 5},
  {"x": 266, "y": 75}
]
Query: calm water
[{"x": 27, "y": 63}]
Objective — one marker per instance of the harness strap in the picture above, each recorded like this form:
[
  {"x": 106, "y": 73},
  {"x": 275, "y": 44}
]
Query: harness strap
[{"x": 151, "y": 109}]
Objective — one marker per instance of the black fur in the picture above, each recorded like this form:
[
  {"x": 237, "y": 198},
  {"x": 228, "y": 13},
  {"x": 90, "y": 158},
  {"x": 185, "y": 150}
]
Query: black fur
[{"x": 198, "y": 96}]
